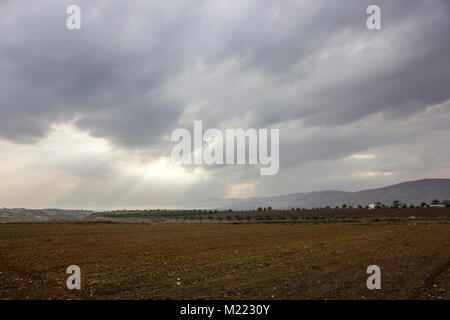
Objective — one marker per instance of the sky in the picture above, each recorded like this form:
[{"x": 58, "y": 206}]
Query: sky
[{"x": 86, "y": 115}]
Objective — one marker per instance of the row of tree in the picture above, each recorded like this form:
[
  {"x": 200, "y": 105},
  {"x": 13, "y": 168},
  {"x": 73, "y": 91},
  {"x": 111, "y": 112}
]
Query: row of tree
[{"x": 395, "y": 204}]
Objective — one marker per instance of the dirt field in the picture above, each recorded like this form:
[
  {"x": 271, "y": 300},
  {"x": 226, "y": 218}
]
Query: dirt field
[{"x": 225, "y": 261}]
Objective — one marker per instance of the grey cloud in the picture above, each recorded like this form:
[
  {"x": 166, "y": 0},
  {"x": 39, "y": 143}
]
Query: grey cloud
[
  {"x": 99, "y": 75},
  {"x": 110, "y": 74},
  {"x": 126, "y": 76}
]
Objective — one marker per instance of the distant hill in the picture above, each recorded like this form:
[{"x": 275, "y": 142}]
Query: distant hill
[
  {"x": 411, "y": 192},
  {"x": 42, "y": 215}
]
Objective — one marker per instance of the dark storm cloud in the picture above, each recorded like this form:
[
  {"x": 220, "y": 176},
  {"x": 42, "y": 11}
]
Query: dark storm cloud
[
  {"x": 404, "y": 71},
  {"x": 311, "y": 68},
  {"x": 106, "y": 76}
]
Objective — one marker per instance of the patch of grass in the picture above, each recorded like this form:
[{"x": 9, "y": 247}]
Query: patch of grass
[
  {"x": 153, "y": 275},
  {"x": 314, "y": 267},
  {"x": 242, "y": 262},
  {"x": 275, "y": 255},
  {"x": 262, "y": 265},
  {"x": 270, "y": 256},
  {"x": 93, "y": 282}
]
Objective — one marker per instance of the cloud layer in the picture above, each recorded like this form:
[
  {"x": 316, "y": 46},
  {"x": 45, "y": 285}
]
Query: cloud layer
[{"x": 138, "y": 70}]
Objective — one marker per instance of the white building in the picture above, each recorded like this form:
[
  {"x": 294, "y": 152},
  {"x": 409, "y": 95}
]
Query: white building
[{"x": 372, "y": 205}]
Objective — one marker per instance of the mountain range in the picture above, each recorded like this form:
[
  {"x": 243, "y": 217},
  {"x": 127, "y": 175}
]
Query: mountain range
[{"x": 410, "y": 192}]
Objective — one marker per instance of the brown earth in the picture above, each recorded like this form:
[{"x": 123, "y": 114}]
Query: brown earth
[{"x": 225, "y": 261}]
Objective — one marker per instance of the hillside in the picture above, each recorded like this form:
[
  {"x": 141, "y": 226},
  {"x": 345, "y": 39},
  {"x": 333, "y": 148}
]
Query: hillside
[
  {"x": 411, "y": 192},
  {"x": 42, "y": 215}
]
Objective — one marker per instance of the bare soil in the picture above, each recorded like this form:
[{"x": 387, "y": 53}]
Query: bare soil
[{"x": 225, "y": 261}]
